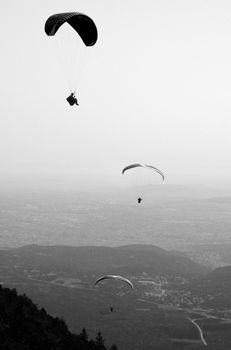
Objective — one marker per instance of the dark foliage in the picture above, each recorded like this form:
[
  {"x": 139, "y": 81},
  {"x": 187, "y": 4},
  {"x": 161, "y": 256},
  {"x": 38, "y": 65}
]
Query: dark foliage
[{"x": 24, "y": 327}]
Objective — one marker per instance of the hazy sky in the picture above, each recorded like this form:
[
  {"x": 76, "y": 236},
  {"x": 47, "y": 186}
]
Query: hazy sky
[{"x": 156, "y": 89}]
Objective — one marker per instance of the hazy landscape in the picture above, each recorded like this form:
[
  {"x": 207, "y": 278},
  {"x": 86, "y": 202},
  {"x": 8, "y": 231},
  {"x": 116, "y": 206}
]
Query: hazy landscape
[
  {"x": 172, "y": 216},
  {"x": 175, "y": 248}
]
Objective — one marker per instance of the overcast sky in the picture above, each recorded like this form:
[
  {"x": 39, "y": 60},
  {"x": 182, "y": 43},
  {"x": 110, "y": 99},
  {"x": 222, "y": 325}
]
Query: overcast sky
[{"x": 156, "y": 89}]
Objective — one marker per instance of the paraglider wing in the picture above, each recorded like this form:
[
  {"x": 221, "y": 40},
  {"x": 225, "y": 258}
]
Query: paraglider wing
[
  {"x": 143, "y": 166},
  {"x": 131, "y": 167},
  {"x": 81, "y": 23},
  {"x": 116, "y": 278},
  {"x": 155, "y": 169}
]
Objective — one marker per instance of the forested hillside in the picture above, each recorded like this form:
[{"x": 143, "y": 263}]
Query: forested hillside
[{"x": 24, "y": 327}]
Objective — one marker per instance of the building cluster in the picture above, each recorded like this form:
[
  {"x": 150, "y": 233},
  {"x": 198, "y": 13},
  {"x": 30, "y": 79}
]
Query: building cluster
[{"x": 170, "y": 291}]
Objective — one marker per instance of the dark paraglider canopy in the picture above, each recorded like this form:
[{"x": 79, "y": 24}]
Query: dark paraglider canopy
[{"x": 81, "y": 23}]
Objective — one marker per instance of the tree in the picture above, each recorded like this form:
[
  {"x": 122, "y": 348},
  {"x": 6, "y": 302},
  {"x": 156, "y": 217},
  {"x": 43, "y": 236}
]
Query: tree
[
  {"x": 113, "y": 347},
  {"x": 83, "y": 335},
  {"x": 99, "y": 342}
]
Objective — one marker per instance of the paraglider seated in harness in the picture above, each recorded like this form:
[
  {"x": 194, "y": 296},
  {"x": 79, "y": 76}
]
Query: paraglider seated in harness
[
  {"x": 111, "y": 308},
  {"x": 72, "y": 100},
  {"x": 139, "y": 200}
]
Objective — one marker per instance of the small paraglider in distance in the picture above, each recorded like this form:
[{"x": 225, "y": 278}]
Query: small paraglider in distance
[
  {"x": 117, "y": 278},
  {"x": 146, "y": 166},
  {"x": 111, "y": 308},
  {"x": 72, "y": 100}
]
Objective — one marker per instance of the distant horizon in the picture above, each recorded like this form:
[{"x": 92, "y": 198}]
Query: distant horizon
[{"x": 86, "y": 182}]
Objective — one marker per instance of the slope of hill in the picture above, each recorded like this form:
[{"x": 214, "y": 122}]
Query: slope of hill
[
  {"x": 215, "y": 288},
  {"x": 61, "y": 279},
  {"x": 132, "y": 259},
  {"x": 24, "y": 326},
  {"x": 216, "y": 254},
  {"x": 218, "y": 281}
]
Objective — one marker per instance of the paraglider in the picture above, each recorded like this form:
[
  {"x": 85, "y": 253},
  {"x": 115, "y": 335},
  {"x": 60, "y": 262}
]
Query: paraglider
[
  {"x": 72, "y": 100},
  {"x": 139, "y": 165},
  {"x": 111, "y": 308},
  {"x": 139, "y": 199},
  {"x": 114, "y": 277},
  {"x": 84, "y": 35},
  {"x": 117, "y": 278}
]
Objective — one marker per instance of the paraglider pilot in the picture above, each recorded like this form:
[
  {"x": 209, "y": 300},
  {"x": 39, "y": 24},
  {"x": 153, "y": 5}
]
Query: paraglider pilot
[
  {"x": 139, "y": 200},
  {"x": 111, "y": 308},
  {"x": 72, "y": 100}
]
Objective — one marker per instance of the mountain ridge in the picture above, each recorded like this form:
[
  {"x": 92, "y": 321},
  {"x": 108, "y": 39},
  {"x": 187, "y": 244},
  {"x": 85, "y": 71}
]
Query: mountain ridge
[{"x": 105, "y": 259}]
